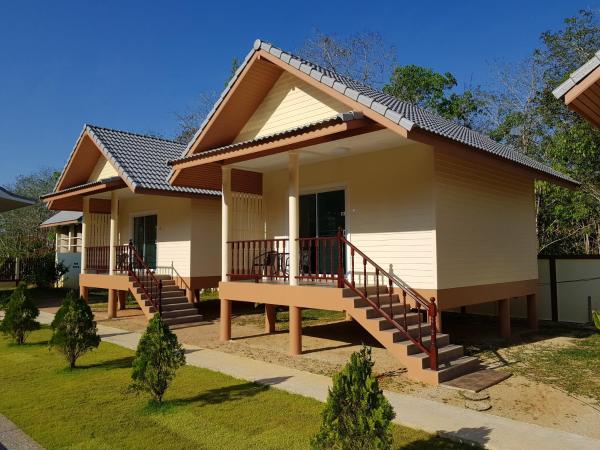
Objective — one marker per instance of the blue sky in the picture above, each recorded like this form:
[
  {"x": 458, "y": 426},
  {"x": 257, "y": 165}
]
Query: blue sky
[{"x": 134, "y": 64}]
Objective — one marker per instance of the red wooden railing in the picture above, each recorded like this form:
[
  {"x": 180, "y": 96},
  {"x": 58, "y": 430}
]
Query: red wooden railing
[
  {"x": 323, "y": 259},
  {"x": 145, "y": 277},
  {"x": 97, "y": 258},
  {"x": 257, "y": 259}
]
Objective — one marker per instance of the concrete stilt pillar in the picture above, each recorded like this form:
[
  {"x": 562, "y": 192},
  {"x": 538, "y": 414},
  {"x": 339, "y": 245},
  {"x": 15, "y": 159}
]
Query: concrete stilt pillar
[
  {"x": 225, "y": 331},
  {"x": 112, "y": 303},
  {"x": 190, "y": 295},
  {"x": 84, "y": 293},
  {"x": 122, "y": 299},
  {"x": 504, "y": 318},
  {"x": 532, "y": 314},
  {"x": 270, "y": 315},
  {"x": 295, "y": 326},
  {"x": 197, "y": 295}
]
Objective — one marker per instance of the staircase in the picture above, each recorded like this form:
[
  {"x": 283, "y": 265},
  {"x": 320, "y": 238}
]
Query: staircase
[
  {"x": 175, "y": 306},
  {"x": 451, "y": 361}
]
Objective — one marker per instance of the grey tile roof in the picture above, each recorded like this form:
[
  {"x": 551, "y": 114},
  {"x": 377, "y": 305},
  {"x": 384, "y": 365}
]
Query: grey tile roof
[
  {"x": 141, "y": 160},
  {"x": 577, "y": 76},
  {"x": 403, "y": 113},
  {"x": 62, "y": 217},
  {"x": 338, "y": 118},
  {"x": 9, "y": 200}
]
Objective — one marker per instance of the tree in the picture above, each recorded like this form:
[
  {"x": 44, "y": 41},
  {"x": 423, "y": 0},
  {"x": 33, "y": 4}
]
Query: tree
[
  {"x": 356, "y": 414},
  {"x": 20, "y": 234},
  {"x": 74, "y": 330},
  {"x": 596, "y": 317},
  {"x": 158, "y": 356},
  {"x": 434, "y": 91},
  {"x": 19, "y": 316},
  {"x": 364, "y": 56}
]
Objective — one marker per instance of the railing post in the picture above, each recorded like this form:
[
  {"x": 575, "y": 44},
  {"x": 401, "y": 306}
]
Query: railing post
[
  {"x": 160, "y": 297},
  {"x": 433, "y": 350},
  {"x": 130, "y": 258},
  {"x": 340, "y": 271}
]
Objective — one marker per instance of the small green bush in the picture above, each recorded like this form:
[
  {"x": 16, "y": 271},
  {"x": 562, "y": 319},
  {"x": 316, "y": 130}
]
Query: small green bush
[
  {"x": 74, "y": 330},
  {"x": 19, "y": 315},
  {"x": 356, "y": 415},
  {"x": 158, "y": 356},
  {"x": 46, "y": 272},
  {"x": 596, "y": 317}
]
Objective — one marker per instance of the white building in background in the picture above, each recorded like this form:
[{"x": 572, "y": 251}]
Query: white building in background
[{"x": 67, "y": 225}]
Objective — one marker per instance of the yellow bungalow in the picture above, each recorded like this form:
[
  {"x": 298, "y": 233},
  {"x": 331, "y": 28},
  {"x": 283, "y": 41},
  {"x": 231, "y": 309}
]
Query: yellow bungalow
[{"x": 368, "y": 205}]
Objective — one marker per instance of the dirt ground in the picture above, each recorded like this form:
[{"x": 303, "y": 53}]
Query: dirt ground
[{"x": 327, "y": 347}]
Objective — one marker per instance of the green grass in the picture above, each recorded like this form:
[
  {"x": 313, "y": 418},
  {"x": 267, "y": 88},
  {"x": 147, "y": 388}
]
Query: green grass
[
  {"x": 574, "y": 368},
  {"x": 89, "y": 407}
]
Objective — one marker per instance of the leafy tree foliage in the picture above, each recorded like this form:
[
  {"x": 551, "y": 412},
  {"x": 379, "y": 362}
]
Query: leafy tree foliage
[
  {"x": 19, "y": 315},
  {"x": 356, "y": 415},
  {"x": 74, "y": 330},
  {"x": 158, "y": 356},
  {"x": 596, "y": 317},
  {"x": 20, "y": 234}
]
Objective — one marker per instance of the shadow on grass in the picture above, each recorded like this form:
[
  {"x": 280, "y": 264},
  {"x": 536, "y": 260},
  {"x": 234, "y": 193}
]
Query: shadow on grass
[
  {"x": 118, "y": 363},
  {"x": 224, "y": 394},
  {"x": 464, "y": 437}
]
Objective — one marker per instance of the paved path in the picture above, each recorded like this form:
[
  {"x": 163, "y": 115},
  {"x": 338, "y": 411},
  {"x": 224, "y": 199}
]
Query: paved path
[
  {"x": 12, "y": 438},
  {"x": 494, "y": 432}
]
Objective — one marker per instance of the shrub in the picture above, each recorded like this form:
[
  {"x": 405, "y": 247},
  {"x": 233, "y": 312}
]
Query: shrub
[
  {"x": 46, "y": 272},
  {"x": 356, "y": 415},
  {"x": 596, "y": 317},
  {"x": 74, "y": 330},
  {"x": 19, "y": 315},
  {"x": 157, "y": 358}
]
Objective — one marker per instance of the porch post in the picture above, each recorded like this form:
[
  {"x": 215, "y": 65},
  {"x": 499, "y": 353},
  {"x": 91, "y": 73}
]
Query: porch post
[
  {"x": 114, "y": 227},
  {"x": 293, "y": 213},
  {"x": 85, "y": 218},
  {"x": 532, "y": 316},
  {"x": 225, "y": 219},
  {"x": 504, "y": 317},
  {"x": 295, "y": 326},
  {"x": 112, "y": 303},
  {"x": 122, "y": 295}
]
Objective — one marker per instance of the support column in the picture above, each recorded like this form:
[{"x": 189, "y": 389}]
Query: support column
[
  {"x": 112, "y": 303},
  {"x": 270, "y": 316},
  {"x": 84, "y": 220},
  {"x": 84, "y": 293},
  {"x": 225, "y": 222},
  {"x": 438, "y": 321},
  {"x": 532, "y": 314},
  {"x": 225, "y": 331},
  {"x": 293, "y": 213},
  {"x": 295, "y": 326},
  {"x": 189, "y": 293},
  {"x": 504, "y": 318},
  {"x": 122, "y": 300},
  {"x": 114, "y": 229}
]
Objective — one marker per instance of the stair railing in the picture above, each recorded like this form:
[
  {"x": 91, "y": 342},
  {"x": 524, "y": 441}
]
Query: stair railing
[
  {"x": 378, "y": 303},
  {"x": 145, "y": 277}
]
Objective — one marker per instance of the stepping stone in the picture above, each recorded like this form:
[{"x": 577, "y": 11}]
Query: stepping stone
[
  {"x": 475, "y": 396},
  {"x": 478, "y": 405}
]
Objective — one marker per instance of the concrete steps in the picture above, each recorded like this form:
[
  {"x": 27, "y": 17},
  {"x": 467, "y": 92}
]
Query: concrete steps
[{"x": 451, "y": 360}]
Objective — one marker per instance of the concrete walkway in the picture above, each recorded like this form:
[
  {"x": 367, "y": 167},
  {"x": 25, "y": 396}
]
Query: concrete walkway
[
  {"x": 12, "y": 438},
  {"x": 493, "y": 432}
]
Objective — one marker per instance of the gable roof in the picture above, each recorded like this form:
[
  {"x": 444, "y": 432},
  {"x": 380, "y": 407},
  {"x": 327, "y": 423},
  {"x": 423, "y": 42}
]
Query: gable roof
[
  {"x": 577, "y": 76},
  {"x": 9, "y": 200},
  {"x": 405, "y": 114},
  {"x": 140, "y": 160},
  {"x": 62, "y": 218}
]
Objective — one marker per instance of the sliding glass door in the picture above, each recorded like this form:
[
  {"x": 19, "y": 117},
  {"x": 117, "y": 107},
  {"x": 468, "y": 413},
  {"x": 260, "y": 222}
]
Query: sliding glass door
[{"x": 144, "y": 238}]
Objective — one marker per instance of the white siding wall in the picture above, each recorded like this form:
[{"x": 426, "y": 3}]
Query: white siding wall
[
  {"x": 289, "y": 103},
  {"x": 485, "y": 223},
  {"x": 389, "y": 206}
]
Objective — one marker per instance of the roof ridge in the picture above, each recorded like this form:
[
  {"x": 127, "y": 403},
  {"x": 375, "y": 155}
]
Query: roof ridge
[{"x": 171, "y": 141}]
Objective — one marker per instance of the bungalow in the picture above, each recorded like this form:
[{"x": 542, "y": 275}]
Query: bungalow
[
  {"x": 582, "y": 91},
  {"x": 367, "y": 204},
  {"x": 139, "y": 233}
]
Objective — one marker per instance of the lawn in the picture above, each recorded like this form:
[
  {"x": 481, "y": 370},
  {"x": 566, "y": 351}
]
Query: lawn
[{"x": 90, "y": 408}]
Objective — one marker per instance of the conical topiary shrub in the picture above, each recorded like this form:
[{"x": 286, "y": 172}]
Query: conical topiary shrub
[
  {"x": 19, "y": 315},
  {"x": 159, "y": 354},
  {"x": 356, "y": 415},
  {"x": 74, "y": 330}
]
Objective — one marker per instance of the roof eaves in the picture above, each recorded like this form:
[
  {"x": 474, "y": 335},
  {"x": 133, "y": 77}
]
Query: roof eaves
[{"x": 577, "y": 76}]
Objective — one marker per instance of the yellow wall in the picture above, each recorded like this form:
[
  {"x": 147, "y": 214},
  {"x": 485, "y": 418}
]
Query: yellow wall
[
  {"x": 102, "y": 170},
  {"x": 389, "y": 206},
  {"x": 206, "y": 237},
  {"x": 485, "y": 221},
  {"x": 289, "y": 103}
]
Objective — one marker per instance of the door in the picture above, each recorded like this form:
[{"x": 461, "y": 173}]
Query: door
[
  {"x": 144, "y": 238},
  {"x": 321, "y": 215}
]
